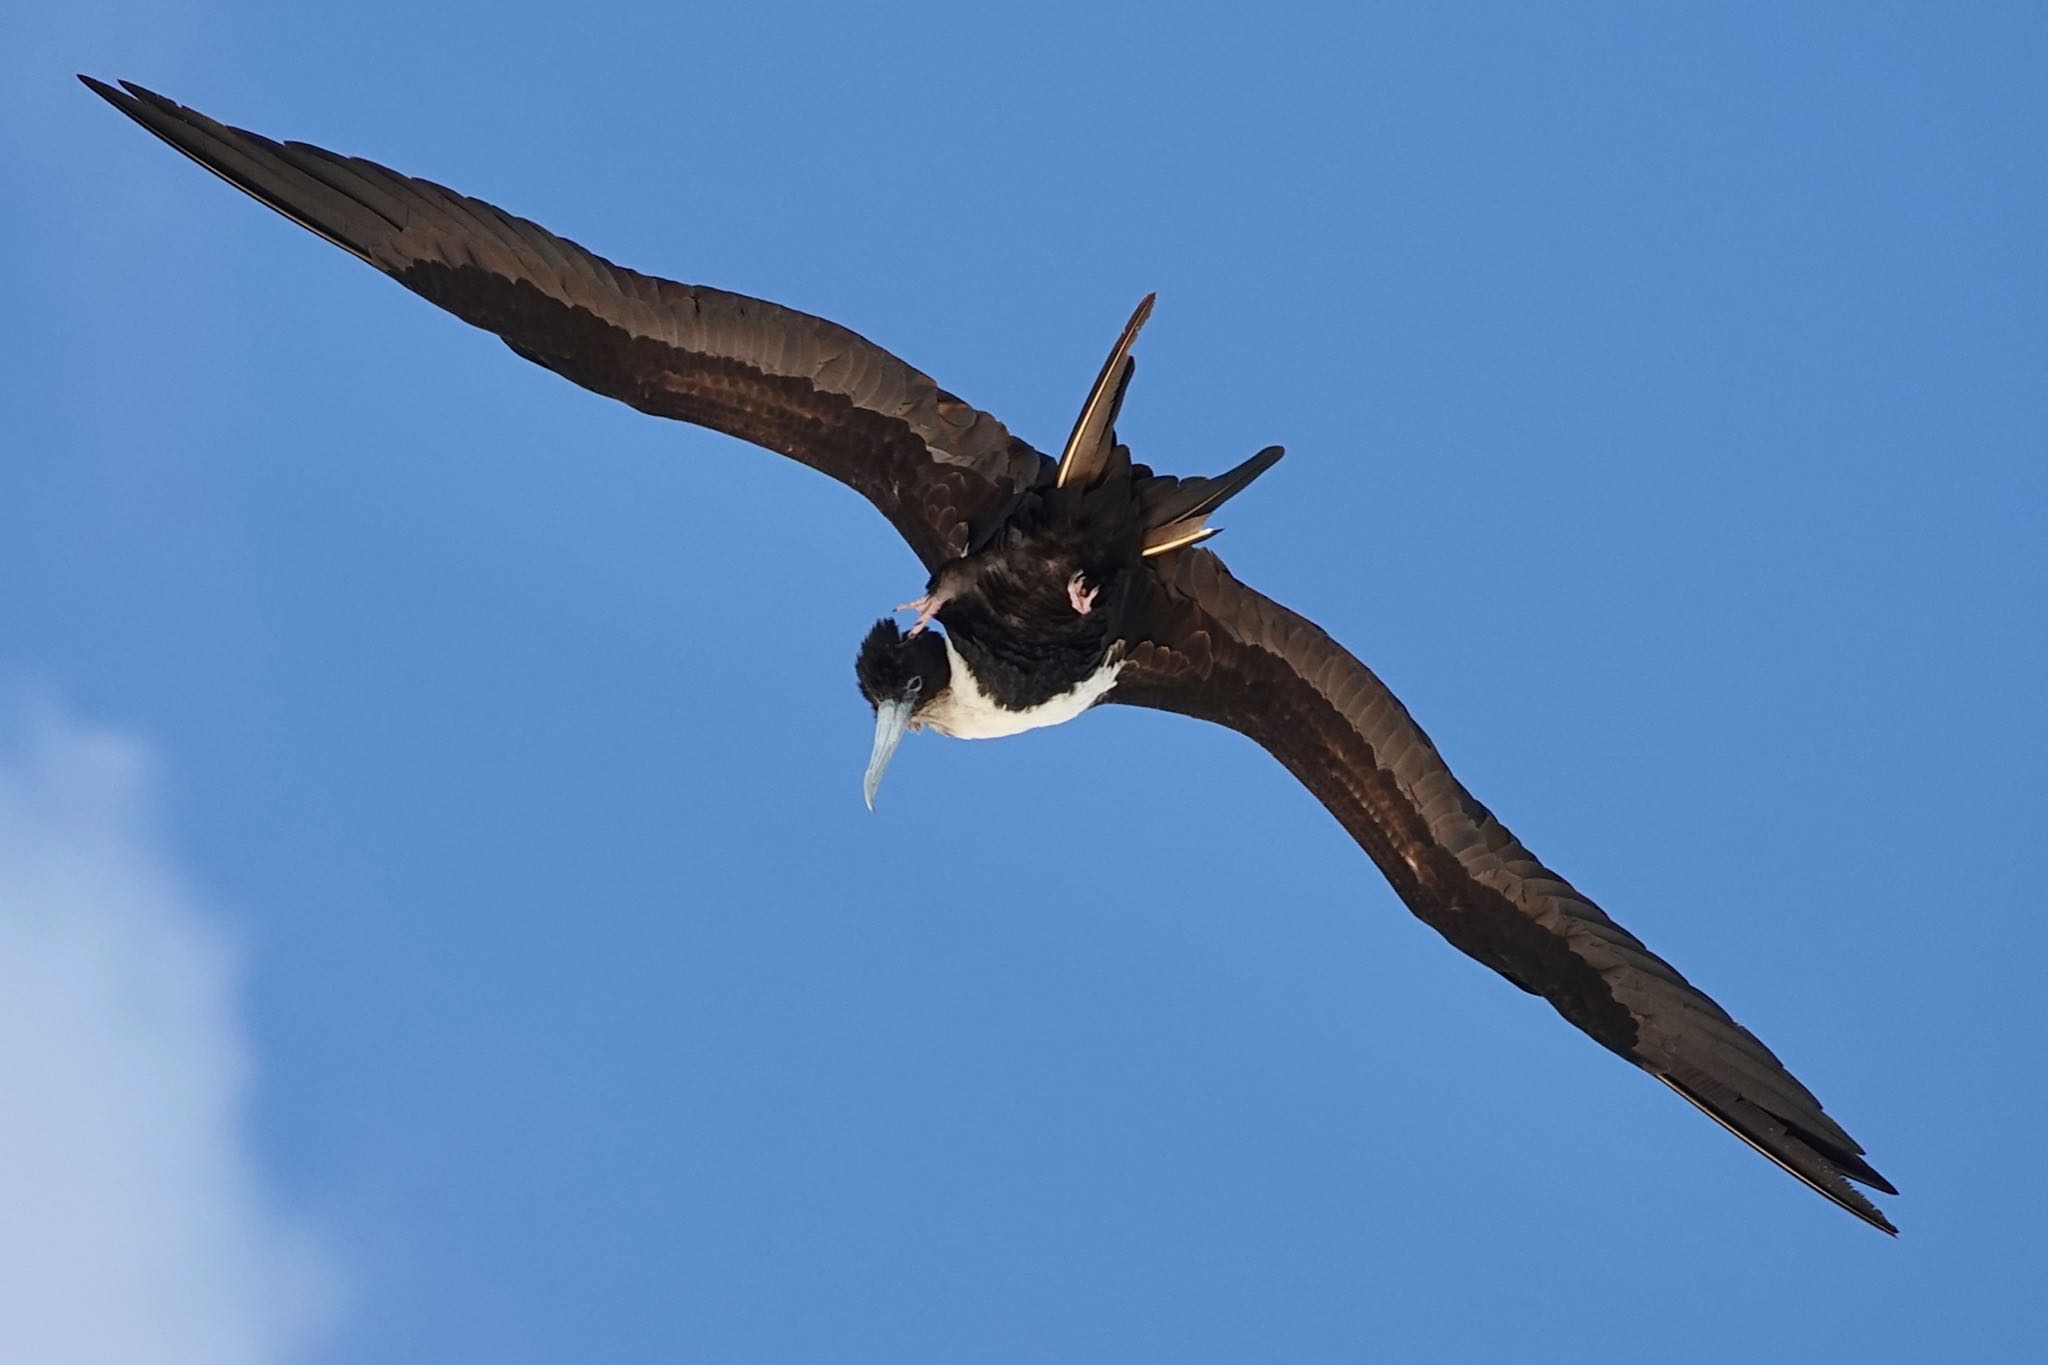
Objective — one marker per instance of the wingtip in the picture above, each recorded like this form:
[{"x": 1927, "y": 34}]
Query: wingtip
[
  {"x": 124, "y": 95},
  {"x": 1825, "y": 1179},
  {"x": 1874, "y": 1217}
]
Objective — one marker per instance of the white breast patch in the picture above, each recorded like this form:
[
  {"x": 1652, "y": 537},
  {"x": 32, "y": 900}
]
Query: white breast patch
[{"x": 964, "y": 711}]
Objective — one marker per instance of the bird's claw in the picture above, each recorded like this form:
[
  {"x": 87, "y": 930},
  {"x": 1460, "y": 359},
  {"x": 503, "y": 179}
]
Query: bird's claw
[
  {"x": 926, "y": 608},
  {"x": 1082, "y": 602}
]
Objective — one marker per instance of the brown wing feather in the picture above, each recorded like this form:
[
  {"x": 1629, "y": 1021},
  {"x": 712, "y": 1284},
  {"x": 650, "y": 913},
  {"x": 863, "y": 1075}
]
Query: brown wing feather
[
  {"x": 796, "y": 384},
  {"x": 1219, "y": 651}
]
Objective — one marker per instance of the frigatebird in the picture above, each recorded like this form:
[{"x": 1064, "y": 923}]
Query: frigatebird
[{"x": 1059, "y": 585}]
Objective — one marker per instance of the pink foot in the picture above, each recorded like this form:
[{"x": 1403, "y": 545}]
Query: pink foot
[
  {"x": 1083, "y": 602},
  {"x": 926, "y": 608}
]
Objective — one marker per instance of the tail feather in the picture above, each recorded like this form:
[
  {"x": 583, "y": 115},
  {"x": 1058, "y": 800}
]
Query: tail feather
[
  {"x": 1180, "y": 499},
  {"x": 1177, "y": 535},
  {"x": 1088, "y": 448},
  {"x": 1176, "y": 511}
]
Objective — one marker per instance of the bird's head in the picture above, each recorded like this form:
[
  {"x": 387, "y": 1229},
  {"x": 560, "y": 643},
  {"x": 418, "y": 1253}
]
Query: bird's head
[{"x": 900, "y": 675}]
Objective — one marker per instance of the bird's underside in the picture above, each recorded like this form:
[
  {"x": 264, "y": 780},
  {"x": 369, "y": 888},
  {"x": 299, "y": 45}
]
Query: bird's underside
[{"x": 1182, "y": 633}]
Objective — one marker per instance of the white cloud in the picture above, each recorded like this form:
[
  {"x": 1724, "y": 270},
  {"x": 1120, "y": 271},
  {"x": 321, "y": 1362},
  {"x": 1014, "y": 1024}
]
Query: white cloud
[{"x": 135, "y": 1224}]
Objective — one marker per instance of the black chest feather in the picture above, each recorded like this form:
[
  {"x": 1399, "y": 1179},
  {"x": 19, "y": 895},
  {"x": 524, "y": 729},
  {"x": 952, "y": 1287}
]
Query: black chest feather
[{"x": 1008, "y": 611}]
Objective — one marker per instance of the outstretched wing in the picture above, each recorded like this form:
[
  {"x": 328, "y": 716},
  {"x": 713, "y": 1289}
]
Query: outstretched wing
[
  {"x": 799, "y": 385},
  {"x": 1219, "y": 651}
]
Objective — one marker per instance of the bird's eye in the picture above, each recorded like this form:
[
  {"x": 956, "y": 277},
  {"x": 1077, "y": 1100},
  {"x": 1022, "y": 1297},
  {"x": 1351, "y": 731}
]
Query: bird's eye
[{"x": 915, "y": 686}]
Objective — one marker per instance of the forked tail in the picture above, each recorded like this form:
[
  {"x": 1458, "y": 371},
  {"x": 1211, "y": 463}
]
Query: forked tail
[{"x": 1175, "y": 511}]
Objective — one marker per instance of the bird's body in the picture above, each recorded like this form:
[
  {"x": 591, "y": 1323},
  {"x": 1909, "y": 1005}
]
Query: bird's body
[
  {"x": 1008, "y": 608},
  {"x": 1058, "y": 585},
  {"x": 1024, "y": 653}
]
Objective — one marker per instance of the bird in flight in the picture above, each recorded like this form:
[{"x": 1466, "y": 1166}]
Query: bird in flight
[{"x": 1058, "y": 585}]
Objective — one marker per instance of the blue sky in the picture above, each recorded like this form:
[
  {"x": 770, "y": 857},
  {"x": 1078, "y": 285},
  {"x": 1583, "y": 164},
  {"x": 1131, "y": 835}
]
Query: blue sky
[{"x": 520, "y": 973}]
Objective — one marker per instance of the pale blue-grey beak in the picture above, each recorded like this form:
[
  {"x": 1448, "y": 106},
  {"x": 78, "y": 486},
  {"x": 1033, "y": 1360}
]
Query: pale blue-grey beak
[{"x": 892, "y": 718}]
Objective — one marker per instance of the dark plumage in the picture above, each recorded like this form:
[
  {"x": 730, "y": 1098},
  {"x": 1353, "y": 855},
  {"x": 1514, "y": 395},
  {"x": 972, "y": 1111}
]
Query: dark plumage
[
  {"x": 891, "y": 667},
  {"x": 1006, "y": 605},
  {"x": 1059, "y": 584}
]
